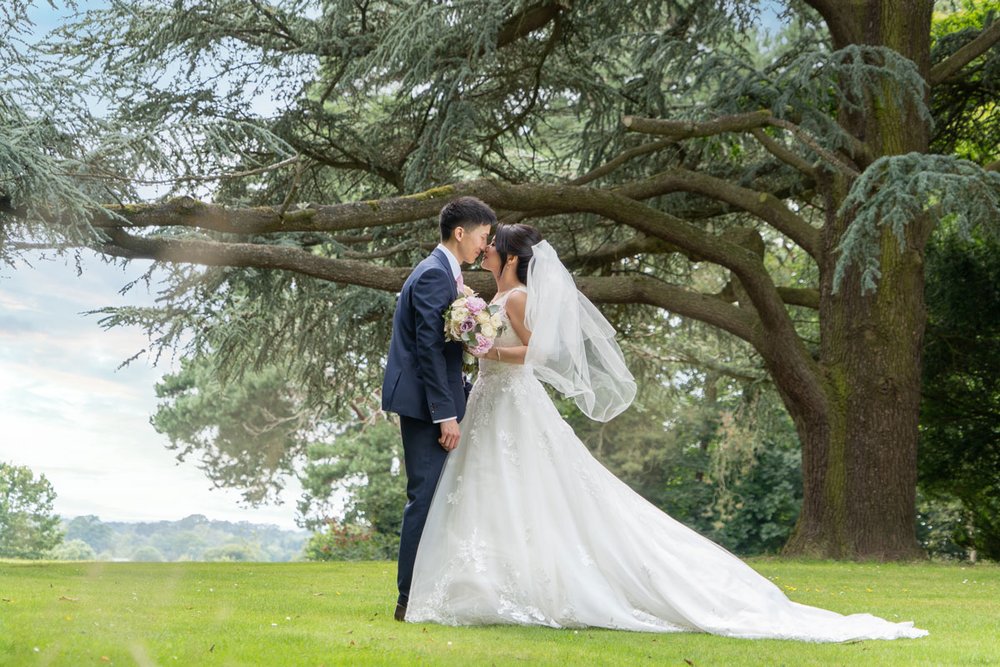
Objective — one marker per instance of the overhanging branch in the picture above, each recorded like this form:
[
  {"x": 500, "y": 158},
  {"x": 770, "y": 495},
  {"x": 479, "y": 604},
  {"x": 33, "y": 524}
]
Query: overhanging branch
[
  {"x": 621, "y": 159},
  {"x": 775, "y": 148},
  {"x": 214, "y": 253},
  {"x": 682, "y": 129},
  {"x": 956, "y": 61},
  {"x": 742, "y": 262},
  {"x": 531, "y": 197},
  {"x": 611, "y": 253},
  {"x": 614, "y": 289},
  {"x": 553, "y": 199},
  {"x": 188, "y": 212},
  {"x": 764, "y": 205},
  {"x": 806, "y": 297},
  {"x": 688, "y": 129},
  {"x": 528, "y": 21}
]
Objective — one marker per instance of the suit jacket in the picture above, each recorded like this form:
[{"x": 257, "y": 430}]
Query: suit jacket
[{"x": 423, "y": 376}]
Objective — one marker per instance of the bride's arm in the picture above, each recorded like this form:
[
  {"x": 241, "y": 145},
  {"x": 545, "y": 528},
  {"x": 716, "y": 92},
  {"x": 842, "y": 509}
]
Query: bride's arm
[{"x": 514, "y": 354}]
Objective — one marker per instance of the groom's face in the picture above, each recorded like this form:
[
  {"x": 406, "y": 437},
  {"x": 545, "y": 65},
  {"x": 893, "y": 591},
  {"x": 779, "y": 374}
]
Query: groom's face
[{"x": 472, "y": 242}]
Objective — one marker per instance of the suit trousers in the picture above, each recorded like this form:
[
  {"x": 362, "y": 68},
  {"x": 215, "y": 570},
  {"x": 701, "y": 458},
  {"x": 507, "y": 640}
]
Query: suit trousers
[{"x": 423, "y": 458}]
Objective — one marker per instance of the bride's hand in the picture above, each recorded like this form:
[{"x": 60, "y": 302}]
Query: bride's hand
[{"x": 482, "y": 355}]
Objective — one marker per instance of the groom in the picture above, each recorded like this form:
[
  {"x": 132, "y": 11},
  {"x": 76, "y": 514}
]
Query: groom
[{"x": 423, "y": 379}]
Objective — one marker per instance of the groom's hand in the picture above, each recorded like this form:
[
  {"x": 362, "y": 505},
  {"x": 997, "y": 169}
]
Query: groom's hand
[{"x": 449, "y": 434}]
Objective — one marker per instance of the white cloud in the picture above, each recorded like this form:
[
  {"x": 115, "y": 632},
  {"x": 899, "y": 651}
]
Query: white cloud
[
  {"x": 66, "y": 412},
  {"x": 11, "y": 303}
]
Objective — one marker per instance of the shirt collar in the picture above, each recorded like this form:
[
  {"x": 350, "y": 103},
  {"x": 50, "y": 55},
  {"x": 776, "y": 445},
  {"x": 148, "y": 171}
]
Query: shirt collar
[{"x": 456, "y": 268}]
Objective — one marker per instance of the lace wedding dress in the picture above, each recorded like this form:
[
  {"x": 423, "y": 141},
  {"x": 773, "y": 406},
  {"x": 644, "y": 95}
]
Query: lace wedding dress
[{"x": 526, "y": 527}]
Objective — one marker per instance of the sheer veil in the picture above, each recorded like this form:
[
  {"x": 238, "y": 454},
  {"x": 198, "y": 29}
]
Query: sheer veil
[{"x": 572, "y": 345}]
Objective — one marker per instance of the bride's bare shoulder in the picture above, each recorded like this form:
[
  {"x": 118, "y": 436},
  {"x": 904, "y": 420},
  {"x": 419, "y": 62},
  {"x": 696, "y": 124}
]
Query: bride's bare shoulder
[
  {"x": 517, "y": 298},
  {"x": 516, "y": 303}
]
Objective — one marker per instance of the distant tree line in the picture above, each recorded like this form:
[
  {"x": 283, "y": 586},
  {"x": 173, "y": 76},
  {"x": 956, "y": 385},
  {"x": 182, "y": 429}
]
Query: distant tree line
[
  {"x": 193, "y": 538},
  {"x": 30, "y": 529}
]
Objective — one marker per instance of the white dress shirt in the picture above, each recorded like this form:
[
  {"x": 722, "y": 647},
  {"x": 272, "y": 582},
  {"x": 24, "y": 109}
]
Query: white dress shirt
[{"x": 456, "y": 268}]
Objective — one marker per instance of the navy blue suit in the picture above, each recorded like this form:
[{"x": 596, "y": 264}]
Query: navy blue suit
[{"x": 423, "y": 384}]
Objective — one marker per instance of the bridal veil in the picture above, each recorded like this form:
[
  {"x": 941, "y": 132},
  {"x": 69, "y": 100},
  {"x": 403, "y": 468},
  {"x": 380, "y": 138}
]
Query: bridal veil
[{"x": 572, "y": 345}]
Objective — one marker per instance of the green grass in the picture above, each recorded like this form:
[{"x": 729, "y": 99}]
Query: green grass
[{"x": 341, "y": 613}]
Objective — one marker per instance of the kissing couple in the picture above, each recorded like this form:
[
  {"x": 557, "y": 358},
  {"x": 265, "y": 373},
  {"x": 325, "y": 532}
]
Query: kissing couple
[{"x": 509, "y": 519}]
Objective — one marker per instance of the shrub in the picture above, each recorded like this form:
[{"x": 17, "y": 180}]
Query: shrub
[{"x": 351, "y": 542}]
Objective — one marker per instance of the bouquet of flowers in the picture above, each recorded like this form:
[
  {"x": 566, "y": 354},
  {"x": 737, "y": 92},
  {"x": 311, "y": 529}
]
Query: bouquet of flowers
[{"x": 470, "y": 320}]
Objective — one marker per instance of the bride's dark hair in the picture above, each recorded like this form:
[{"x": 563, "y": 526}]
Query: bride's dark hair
[{"x": 515, "y": 240}]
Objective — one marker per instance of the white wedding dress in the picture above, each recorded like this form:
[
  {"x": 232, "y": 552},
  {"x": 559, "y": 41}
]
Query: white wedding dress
[{"x": 526, "y": 527}]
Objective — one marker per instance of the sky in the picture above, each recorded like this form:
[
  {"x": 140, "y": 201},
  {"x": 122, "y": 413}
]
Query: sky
[{"x": 66, "y": 411}]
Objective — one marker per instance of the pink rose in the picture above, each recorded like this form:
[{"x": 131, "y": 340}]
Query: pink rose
[
  {"x": 474, "y": 304},
  {"x": 483, "y": 344}
]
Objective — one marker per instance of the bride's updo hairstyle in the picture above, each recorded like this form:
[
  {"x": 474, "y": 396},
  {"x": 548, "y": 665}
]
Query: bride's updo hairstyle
[{"x": 515, "y": 240}]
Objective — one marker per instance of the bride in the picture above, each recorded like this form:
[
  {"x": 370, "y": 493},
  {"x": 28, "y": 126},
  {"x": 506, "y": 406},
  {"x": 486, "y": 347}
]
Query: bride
[{"x": 526, "y": 527}]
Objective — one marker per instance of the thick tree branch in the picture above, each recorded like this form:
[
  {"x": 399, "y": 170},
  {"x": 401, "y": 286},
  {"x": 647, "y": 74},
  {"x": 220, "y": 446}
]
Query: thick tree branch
[
  {"x": 623, "y": 157},
  {"x": 745, "y": 264},
  {"x": 556, "y": 198},
  {"x": 214, "y": 253},
  {"x": 765, "y": 206},
  {"x": 188, "y": 212},
  {"x": 692, "y": 209},
  {"x": 746, "y": 122},
  {"x": 615, "y": 289},
  {"x": 551, "y": 199},
  {"x": 837, "y": 16},
  {"x": 775, "y": 148},
  {"x": 956, "y": 61},
  {"x": 761, "y": 318},
  {"x": 689, "y": 129},
  {"x": 686, "y": 303},
  {"x": 806, "y": 297},
  {"x": 611, "y": 253},
  {"x": 528, "y": 21}
]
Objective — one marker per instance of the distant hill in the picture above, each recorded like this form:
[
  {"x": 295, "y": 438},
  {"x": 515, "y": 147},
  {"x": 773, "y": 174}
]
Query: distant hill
[{"x": 193, "y": 538}]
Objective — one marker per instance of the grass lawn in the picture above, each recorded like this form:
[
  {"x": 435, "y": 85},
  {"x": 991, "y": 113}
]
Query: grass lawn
[{"x": 341, "y": 613}]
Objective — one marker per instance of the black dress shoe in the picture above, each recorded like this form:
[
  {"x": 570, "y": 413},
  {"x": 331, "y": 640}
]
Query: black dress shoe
[{"x": 400, "y": 614}]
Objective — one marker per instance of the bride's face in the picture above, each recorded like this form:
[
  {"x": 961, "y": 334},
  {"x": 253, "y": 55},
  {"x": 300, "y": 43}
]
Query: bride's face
[{"x": 491, "y": 260}]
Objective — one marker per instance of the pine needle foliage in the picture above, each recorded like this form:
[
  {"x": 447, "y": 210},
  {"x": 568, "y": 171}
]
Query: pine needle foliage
[{"x": 898, "y": 189}]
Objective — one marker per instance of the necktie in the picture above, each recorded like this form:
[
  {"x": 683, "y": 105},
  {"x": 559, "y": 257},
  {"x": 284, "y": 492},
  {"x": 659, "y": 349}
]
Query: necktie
[{"x": 460, "y": 282}]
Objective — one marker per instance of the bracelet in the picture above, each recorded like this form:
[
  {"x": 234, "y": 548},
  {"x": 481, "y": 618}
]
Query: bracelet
[{"x": 498, "y": 353}]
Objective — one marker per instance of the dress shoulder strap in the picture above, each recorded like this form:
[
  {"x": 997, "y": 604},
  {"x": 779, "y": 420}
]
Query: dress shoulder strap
[{"x": 502, "y": 297}]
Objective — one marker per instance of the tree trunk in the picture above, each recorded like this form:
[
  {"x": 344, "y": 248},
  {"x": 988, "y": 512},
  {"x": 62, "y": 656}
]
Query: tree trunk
[
  {"x": 860, "y": 463},
  {"x": 859, "y": 455}
]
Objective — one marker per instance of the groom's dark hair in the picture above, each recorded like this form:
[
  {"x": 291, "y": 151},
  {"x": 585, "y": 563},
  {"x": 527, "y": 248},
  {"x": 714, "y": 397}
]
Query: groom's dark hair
[
  {"x": 516, "y": 240},
  {"x": 466, "y": 212}
]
